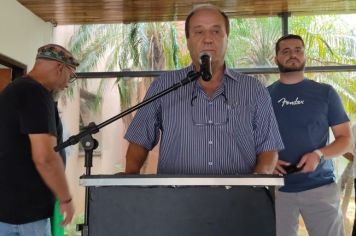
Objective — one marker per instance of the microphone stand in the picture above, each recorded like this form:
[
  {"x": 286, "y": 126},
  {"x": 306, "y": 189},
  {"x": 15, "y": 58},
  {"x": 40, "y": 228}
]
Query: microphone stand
[{"x": 90, "y": 144}]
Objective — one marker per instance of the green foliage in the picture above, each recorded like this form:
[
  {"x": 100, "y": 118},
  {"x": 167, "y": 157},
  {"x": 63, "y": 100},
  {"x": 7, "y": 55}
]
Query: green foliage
[
  {"x": 328, "y": 40},
  {"x": 117, "y": 47},
  {"x": 175, "y": 47},
  {"x": 251, "y": 41},
  {"x": 162, "y": 46}
]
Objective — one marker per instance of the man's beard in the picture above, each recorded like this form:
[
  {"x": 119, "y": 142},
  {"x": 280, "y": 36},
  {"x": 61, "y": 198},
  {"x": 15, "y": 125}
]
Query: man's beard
[
  {"x": 284, "y": 69},
  {"x": 56, "y": 94}
]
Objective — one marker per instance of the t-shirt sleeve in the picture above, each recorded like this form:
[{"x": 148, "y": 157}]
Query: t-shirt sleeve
[
  {"x": 36, "y": 112},
  {"x": 336, "y": 111}
]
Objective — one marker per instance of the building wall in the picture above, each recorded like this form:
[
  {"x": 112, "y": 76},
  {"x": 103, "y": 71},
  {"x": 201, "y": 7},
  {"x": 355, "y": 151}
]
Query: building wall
[{"x": 21, "y": 32}]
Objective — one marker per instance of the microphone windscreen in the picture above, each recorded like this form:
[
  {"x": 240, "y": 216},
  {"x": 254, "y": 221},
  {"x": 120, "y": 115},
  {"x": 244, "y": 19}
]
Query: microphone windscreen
[{"x": 205, "y": 66}]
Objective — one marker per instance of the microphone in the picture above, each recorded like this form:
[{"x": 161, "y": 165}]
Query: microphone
[{"x": 205, "y": 66}]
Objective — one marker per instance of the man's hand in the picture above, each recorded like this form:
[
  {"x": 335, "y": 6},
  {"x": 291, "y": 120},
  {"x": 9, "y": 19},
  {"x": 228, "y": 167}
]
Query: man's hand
[
  {"x": 67, "y": 210},
  {"x": 266, "y": 161},
  {"x": 309, "y": 162},
  {"x": 279, "y": 169},
  {"x": 121, "y": 173}
]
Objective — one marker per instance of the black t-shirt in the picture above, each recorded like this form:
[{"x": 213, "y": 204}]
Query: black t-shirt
[
  {"x": 26, "y": 107},
  {"x": 59, "y": 126}
]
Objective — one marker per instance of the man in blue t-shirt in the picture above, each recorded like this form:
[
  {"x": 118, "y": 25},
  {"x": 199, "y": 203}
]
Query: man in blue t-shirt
[{"x": 305, "y": 110}]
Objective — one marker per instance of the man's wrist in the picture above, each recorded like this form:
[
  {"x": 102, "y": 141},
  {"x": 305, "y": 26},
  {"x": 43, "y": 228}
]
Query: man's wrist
[
  {"x": 66, "y": 201},
  {"x": 320, "y": 154}
]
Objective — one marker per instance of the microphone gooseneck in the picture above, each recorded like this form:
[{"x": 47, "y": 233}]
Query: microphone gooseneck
[{"x": 205, "y": 66}]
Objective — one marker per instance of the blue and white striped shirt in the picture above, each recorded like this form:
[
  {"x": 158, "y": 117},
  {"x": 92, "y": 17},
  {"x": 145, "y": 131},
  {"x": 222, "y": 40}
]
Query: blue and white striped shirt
[{"x": 217, "y": 135}]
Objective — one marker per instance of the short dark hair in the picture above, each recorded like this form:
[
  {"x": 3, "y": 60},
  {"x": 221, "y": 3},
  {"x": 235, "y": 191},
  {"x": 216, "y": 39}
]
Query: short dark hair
[
  {"x": 285, "y": 37},
  {"x": 206, "y": 6}
]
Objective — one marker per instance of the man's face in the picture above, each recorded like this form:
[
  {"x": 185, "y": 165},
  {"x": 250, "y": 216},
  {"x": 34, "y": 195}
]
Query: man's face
[
  {"x": 207, "y": 33},
  {"x": 66, "y": 75},
  {"x": 290, "y": 57}
]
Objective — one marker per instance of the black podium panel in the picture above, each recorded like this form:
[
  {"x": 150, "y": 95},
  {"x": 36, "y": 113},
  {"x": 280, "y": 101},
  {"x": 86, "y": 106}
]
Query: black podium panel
[{"x": 181, "y": 211}]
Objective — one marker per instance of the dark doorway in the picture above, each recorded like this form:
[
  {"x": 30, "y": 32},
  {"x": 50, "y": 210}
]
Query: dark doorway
[{"x": 9, "y": 70}]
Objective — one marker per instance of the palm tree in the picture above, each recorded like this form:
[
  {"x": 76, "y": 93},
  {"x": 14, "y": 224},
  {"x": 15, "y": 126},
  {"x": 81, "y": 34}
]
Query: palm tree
[
  {"x": 119, "y": 47},
  {"x": 252, "y": 43},
  {"x": 330, "y": 44}
]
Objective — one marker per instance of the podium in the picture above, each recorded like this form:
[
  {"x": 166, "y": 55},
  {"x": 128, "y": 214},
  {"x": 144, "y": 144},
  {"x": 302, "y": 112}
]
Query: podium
[{"x": 156, "y": 205}]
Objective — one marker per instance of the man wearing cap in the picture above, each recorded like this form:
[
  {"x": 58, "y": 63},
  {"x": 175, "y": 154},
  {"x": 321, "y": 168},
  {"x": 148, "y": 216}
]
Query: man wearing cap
[{"x": 31, "y": 173}]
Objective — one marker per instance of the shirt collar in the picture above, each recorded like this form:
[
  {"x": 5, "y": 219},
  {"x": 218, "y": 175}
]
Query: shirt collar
[{"x": 227, "y": 72}]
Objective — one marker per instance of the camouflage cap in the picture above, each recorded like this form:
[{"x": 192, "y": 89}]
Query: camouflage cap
[{"x": 57, "y": 53}]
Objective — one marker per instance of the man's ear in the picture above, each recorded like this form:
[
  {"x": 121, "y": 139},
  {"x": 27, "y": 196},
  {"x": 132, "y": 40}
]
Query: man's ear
[
  {"x": 60, "y": 67},
  {"x": 275, "y": 60}
]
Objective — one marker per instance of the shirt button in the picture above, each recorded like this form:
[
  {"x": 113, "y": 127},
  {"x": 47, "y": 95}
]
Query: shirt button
[
  {"x": 210, "y": 142},
  {"x": 210, "y": 163}
]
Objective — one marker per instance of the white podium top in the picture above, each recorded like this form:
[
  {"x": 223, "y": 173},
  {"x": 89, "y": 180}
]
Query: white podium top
[{"x": 162, "y": 180}]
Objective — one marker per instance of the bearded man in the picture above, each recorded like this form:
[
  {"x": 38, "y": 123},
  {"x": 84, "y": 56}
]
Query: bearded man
[{"x": 305, "y": 110}]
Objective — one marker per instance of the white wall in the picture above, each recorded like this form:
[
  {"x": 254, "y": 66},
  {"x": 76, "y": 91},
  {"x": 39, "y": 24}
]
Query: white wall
[{"x": 21, "y": 32}]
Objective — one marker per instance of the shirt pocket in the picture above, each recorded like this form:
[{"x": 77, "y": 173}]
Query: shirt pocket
[{"x": 240, "y": 120}]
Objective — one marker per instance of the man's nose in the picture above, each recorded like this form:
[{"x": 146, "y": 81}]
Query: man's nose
[
  {"x": 208, "y": 37},
  {"x": 293, "y": 53}
]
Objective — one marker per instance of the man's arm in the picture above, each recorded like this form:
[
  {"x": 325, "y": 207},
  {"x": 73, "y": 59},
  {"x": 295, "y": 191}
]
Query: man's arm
[
  {"x": 266, "y": 162},
  {"x": 341, "y": 144},
  {"x": 350, "y": 155},
  {"x": 50, "y": 167},
  {"x": 136, "y": 156}
]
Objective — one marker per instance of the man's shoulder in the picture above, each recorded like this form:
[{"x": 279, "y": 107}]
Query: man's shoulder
[
  {"x": 173, "y": 76},
  {"x": 320, "y": 90},
  {"x": 16, "y": 87},
  {"x": 272, "y": 86},
  {"x": 25, "y": 89},
  {"x": 234, "y": 73},
  {"x": 24, "y": 83},
  {"x": 239, "y": 77},
  {"x": 317, "y": 85},
  {"x": 178, "y": 74}
]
